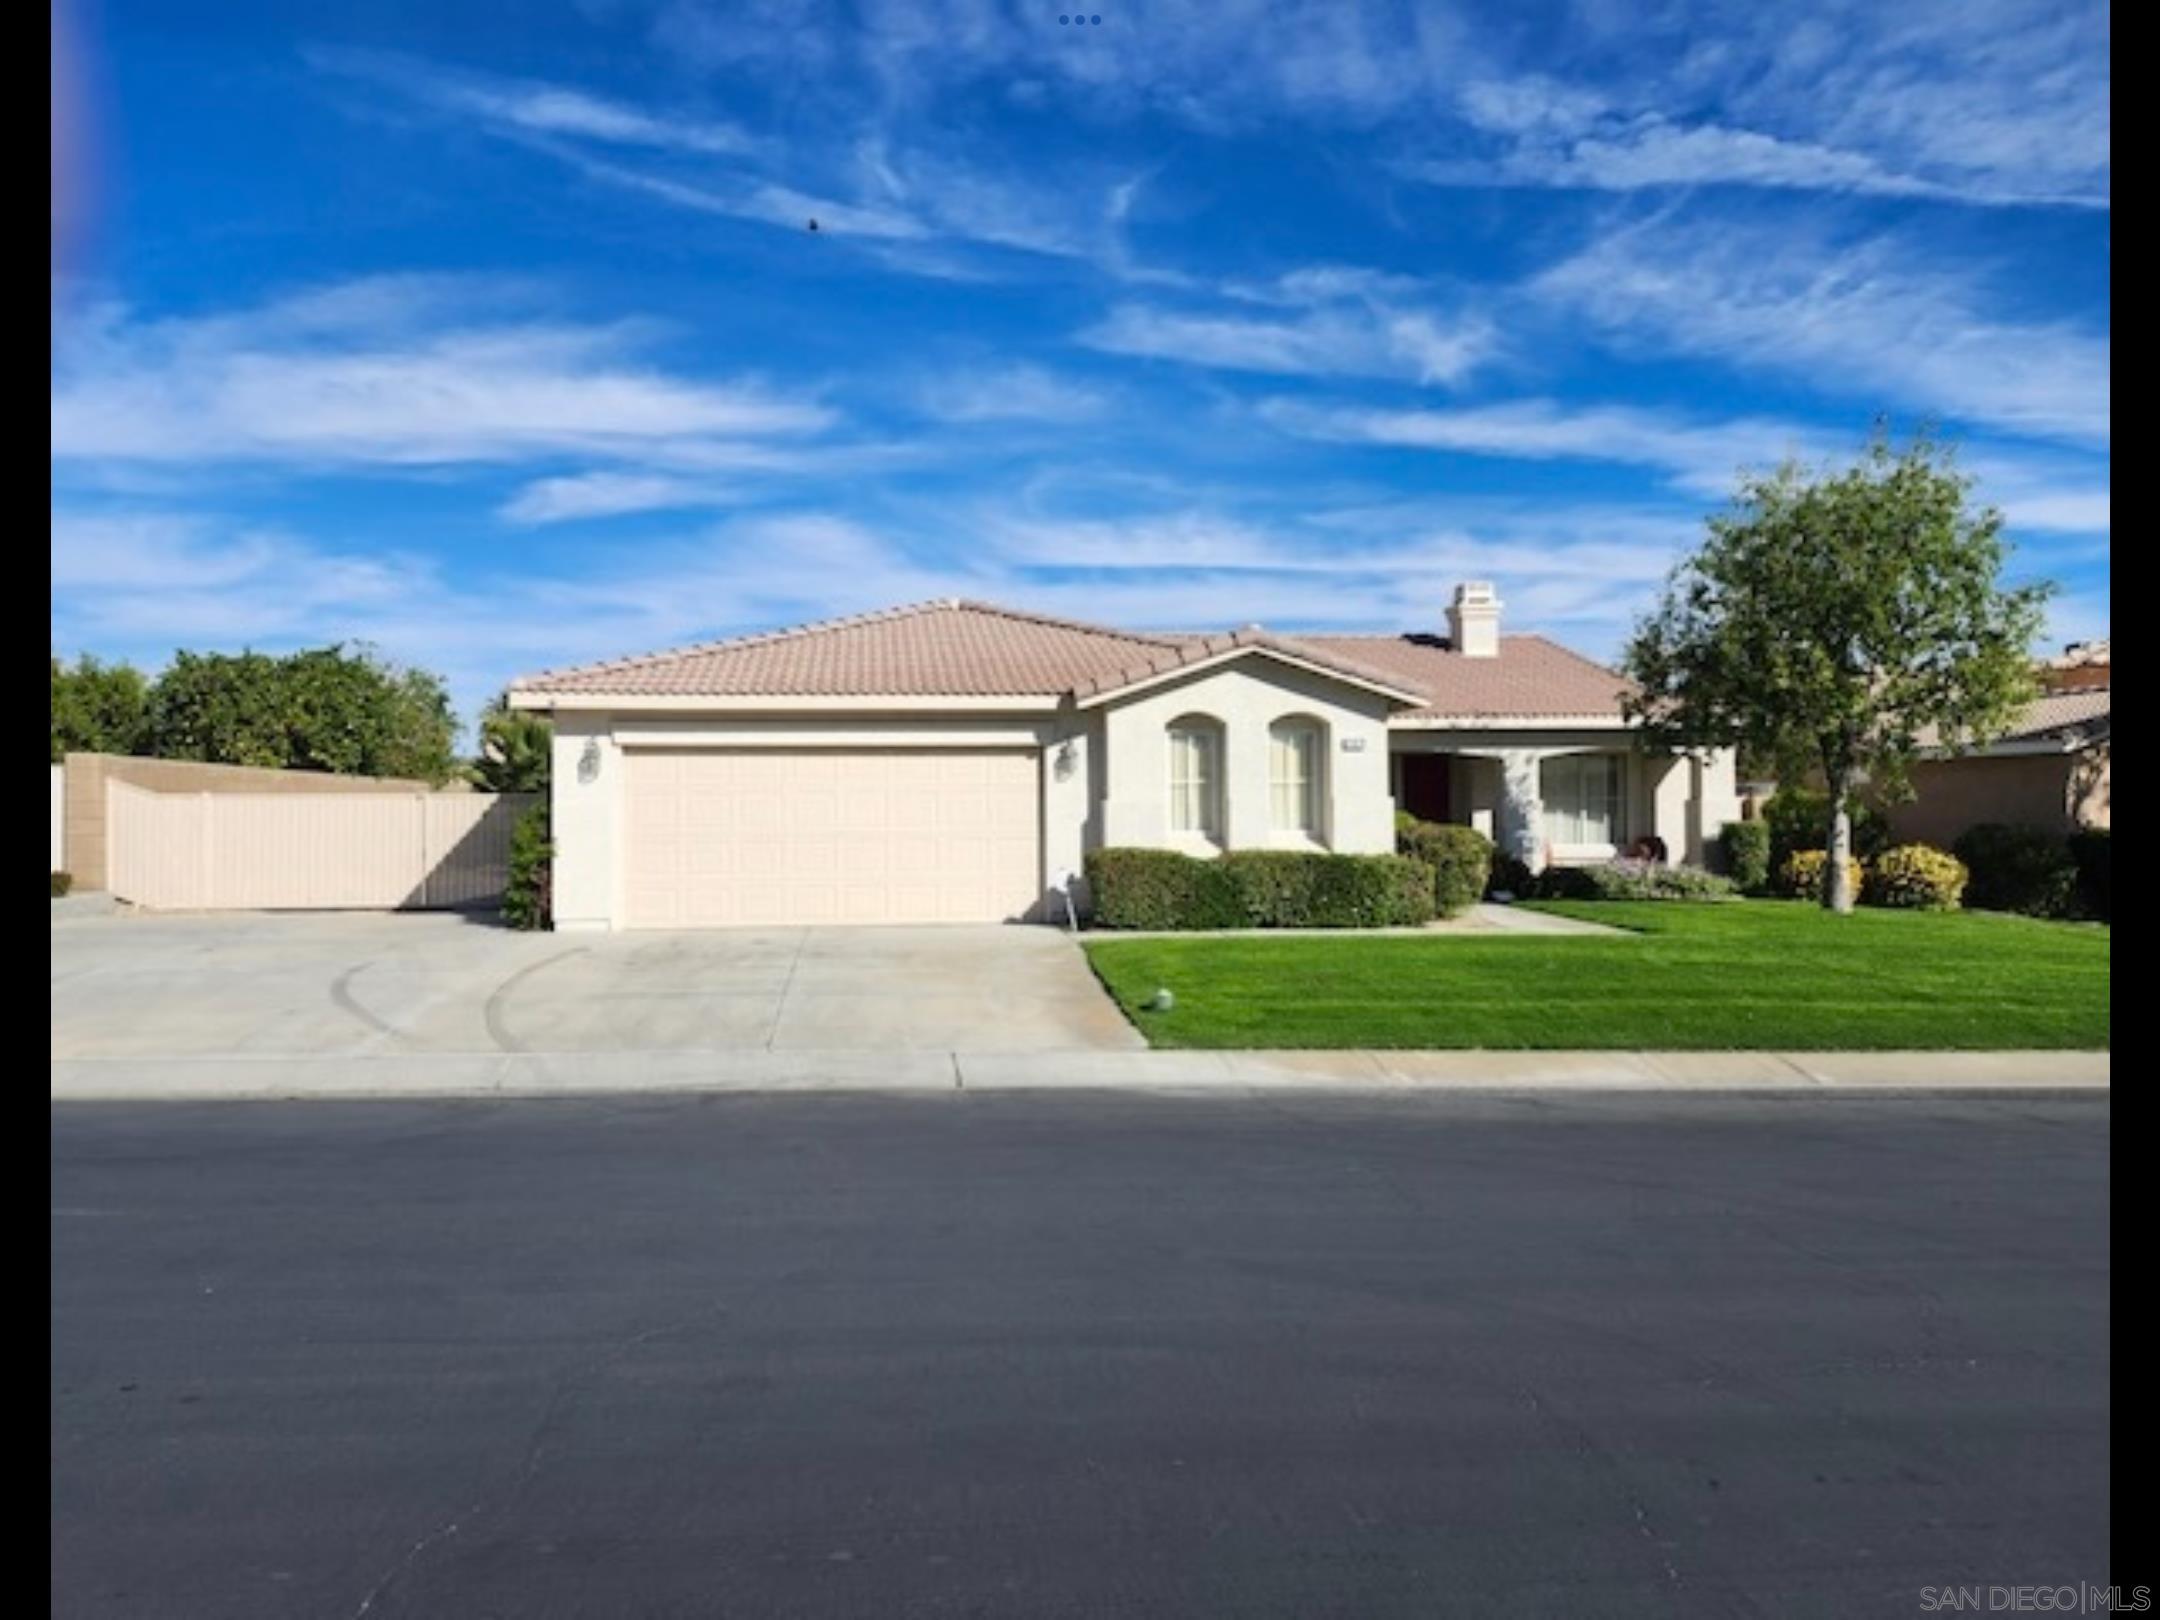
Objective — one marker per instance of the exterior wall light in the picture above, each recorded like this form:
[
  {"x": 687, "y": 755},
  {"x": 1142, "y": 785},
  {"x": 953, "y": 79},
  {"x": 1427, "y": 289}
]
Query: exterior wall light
[{"x": 588, "y": 764}]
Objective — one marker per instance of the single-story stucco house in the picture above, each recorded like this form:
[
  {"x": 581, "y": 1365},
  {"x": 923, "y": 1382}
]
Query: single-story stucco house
[
  {"x": 953, "y": 761},
  {"x": 2050, "y": 769}
]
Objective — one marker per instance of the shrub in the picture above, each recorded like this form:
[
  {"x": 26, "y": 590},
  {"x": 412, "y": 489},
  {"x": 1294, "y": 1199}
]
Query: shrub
[
  {"x": 1159, "y": 888},
  {"x": 2017, "y": 868},
  {"x": 1510, "y": 876},
  {"x": 1257, "y": 888},
  {"x": 2089, "y": 851},
  {"x": 529, "y": 895},
  {"x": 1747, "y": 854},
  {"x": 1799, "y": 817},
  {"x": 1802, "y": 874},
  {"x": 1461, "y": 859},
  {"x": 1632, "y": 880},
  {"x": 1917, "y": 877},
  {"x": 61, "y": 883}
]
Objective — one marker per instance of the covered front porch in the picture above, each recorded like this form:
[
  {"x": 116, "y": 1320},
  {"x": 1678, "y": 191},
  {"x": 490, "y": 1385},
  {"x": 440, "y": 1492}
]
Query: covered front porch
[{"x": 1561, "y": 798}]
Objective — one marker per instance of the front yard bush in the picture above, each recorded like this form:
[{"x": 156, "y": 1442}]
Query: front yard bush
[
  {"x": 1510, "y": 876},
  {"x": 1461, "y": 859},
  {"x": 1915, "y": 877},
  {"x": 1798, "y": 819},
  {"x": 1257, "y": 888},
  {"x": 1804, "y": 870},
  {"x": 1747, "y": 854},
  {"x": 1632, "y": 880},
  {"x": 2017, "y": 868},
  {"x": 61, "y": 883},
  {"x": 2089, "y": 850},
  {"x": 529, "y": 895},
  {"x": 1159, "y": 888}
]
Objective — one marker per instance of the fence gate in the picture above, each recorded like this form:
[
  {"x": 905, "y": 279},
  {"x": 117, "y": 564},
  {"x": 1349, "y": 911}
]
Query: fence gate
[{"x": 307, "y": 852}]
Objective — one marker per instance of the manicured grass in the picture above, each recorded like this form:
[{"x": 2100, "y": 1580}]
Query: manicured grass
[{"x": 1760, "y": 973}]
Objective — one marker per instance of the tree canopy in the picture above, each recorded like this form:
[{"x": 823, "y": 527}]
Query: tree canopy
[
  {"x": 341, "y": 709},
  {"x": 1831, "y": 620},
  {"x": 97, "y": 708}
]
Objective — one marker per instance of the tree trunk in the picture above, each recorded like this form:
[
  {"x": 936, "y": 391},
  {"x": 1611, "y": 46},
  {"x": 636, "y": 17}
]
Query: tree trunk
[{"x": 1837, "y": 892}]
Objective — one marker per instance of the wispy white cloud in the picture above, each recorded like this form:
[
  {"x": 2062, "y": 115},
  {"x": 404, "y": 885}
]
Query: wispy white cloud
[
  {"x": 536, "y": 107},
  {"x": 577, "y": 496},
  {"x": 1015, "y": 393},
  {"x": 1880, "y": 314},
  {"x": 2036, "y": 491},
  {"x": 1340, "y": 341},
  {"x": 389, "y": 372}
]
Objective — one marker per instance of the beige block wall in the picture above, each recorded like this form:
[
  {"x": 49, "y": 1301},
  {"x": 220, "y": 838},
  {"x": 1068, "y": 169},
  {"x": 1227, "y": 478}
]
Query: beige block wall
[
  {"x": 83, "y": 819},
  {"x": 2056, "y": 791}
]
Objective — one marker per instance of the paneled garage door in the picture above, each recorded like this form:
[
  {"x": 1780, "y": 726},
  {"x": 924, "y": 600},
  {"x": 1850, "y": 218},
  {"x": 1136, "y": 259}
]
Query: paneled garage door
[{"x": 765, "y": 836}]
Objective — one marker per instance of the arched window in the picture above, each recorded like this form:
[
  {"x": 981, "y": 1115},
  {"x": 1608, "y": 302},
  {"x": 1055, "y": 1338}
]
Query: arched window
[
  {"x": 1297, "y": 762},
  {"x": 1196, "y": 766}
]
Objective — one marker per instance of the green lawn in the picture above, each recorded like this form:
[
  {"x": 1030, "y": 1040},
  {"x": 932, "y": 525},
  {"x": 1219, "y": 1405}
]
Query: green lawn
[{"x": 1761, "y": 973}]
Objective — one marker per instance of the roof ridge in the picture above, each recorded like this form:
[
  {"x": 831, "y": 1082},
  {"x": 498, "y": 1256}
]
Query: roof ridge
[{"x": 1056, "y": 622}]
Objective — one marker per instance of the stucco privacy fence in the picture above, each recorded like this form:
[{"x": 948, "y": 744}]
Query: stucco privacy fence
[{"x": 176, "y": 835}]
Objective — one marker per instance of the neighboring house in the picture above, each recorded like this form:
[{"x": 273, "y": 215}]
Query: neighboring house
[
  {"x": 2050, "y": 769},
  {"x": 953, "y": 761}
]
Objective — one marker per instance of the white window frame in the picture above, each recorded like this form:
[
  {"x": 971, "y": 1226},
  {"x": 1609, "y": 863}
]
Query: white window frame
[
  {"x": 1195, "y": 809},
  {"x": 1307, "y": 822},
  {"x": 1564, "y": 785}
]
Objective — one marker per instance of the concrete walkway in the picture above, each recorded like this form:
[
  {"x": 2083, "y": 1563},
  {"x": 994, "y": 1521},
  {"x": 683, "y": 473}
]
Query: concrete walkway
[{"x": 540, "y": 1074}]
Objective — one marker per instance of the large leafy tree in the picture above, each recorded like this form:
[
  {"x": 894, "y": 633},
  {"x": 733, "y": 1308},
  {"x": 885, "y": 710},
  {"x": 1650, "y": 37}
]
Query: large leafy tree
[
  {"x": 340, "y": 709},
  {"x": 1832, "y": 619},
  {"x": 515, "y": 746},
  {"x": 97, "y": 708}
]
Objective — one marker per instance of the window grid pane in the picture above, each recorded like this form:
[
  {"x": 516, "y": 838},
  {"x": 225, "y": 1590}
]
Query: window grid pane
[{"x": 1192, "y": 782}]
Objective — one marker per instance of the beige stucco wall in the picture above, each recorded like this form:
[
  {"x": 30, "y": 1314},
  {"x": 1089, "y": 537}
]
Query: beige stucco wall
[
  {"x": 2056, "y": 791},
  {"x": 1245, "y": 698},
  {"x": 83, "y": 817}
]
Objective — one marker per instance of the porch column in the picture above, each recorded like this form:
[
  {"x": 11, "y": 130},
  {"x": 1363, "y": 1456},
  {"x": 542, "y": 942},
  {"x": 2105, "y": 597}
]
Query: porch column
[{"x": 1521, "y": 818}]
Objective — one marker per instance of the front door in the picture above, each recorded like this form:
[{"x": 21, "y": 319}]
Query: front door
[{"x": 1425, "y": 786}]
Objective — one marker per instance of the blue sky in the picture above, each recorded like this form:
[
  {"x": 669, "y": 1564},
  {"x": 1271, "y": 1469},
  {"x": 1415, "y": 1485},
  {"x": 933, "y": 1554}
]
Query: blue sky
[{"x": 497, "y": 336}]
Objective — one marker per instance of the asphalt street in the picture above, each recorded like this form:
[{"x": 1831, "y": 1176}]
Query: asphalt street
[{"x": 1077, "y": 1354}]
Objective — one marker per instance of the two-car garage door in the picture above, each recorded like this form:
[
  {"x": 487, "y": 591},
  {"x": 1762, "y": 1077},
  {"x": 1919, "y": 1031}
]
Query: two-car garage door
[{"x": 781, "y": 836}]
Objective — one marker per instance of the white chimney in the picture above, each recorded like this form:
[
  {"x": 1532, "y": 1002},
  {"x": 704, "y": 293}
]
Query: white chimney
[{"x": 1474, "y": 620}]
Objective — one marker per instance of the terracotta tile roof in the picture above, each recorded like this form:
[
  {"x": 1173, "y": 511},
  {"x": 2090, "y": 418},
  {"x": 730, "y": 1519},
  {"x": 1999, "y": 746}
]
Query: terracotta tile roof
[
  {"x": 2067, "y": 715},
  {"x": 1531, "y": 678},
  {"x": 954, "y": 648},
  {"x": 948, "y": 648}
]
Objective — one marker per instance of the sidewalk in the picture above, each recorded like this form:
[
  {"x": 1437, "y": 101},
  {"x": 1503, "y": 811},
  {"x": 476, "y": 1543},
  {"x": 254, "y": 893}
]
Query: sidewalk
[{"x": 543, "y": 1074}]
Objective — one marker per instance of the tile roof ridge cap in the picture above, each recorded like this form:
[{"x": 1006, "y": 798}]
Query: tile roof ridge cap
[{"x": 1057, "y": 621}]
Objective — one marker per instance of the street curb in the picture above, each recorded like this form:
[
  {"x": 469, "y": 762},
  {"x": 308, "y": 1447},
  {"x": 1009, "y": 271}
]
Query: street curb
[{"x": 263, "y": 1077}]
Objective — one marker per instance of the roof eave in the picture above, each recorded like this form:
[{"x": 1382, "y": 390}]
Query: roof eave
[{"x": 781, "y": 703}]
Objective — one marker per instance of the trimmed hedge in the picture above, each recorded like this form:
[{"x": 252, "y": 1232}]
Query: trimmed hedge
[
  {"x": 1631, "y": 880},
  {"x": 1804, "y": 870},
  {"x": 529, "y": 895},
  {"x": 2089, "y": 850},
  {"x": 61, "y": 883},
  {"x": 2017, "y": 868},
  {"x": 1915, "y": 877},
  {"x": 1257, "y": 888},
  {"x": 1747, "y": 854},
  {"x": 1461, "y": 859}
]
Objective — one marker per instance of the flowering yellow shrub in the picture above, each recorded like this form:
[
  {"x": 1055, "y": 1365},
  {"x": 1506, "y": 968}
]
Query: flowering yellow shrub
[
  {"x": 1802, "y": 875},
  {"x": 1915, "y": 876}
]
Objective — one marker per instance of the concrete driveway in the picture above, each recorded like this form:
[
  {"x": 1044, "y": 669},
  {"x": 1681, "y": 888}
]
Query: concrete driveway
[{"x": 367, "y": 984}]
